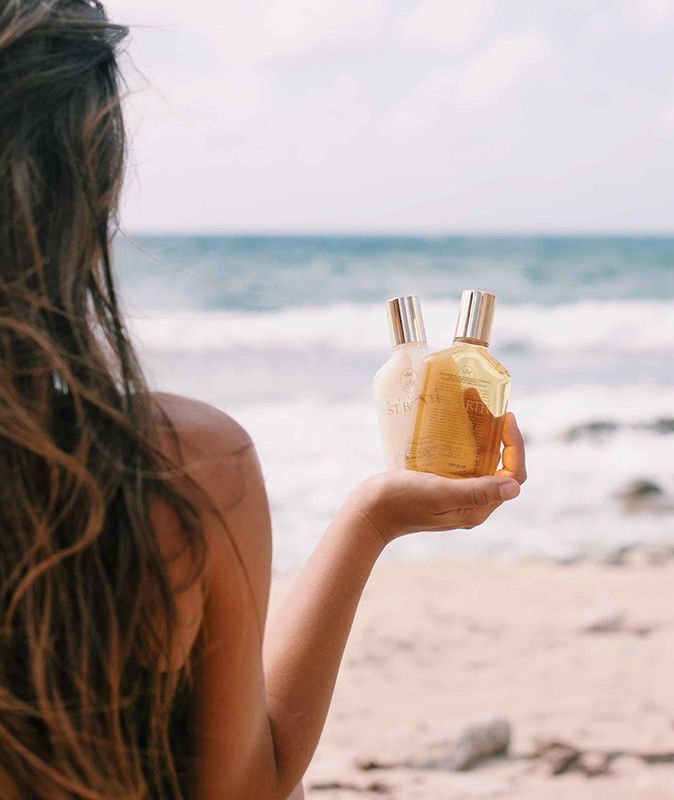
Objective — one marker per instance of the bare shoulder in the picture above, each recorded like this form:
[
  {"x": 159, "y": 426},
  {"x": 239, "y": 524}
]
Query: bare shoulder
[
  {"x": 219, "y": 456},
  {"x": 216, "y": 451},
  {"x": 200, "y": 425}
]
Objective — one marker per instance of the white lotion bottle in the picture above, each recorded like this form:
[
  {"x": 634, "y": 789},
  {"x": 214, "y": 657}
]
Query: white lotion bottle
[{"x": 396, "y": 384}]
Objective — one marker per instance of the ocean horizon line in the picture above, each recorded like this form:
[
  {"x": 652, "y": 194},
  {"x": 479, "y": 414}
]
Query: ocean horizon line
[{"x": 600, "y": 235}]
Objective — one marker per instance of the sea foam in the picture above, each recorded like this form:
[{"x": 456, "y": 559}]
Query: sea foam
[{"x": 618, "y": 326}]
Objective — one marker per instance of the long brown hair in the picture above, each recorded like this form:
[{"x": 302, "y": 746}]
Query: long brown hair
[{"x": 80, "y": 717}]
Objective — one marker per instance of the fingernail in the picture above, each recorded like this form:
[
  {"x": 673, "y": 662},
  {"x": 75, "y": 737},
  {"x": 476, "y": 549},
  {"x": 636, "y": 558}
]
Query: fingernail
[{"x": 509, "y": 490}]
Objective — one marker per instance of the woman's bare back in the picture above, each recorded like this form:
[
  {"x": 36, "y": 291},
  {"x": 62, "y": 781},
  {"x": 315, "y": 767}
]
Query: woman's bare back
[{"x": 223, "y": 615}]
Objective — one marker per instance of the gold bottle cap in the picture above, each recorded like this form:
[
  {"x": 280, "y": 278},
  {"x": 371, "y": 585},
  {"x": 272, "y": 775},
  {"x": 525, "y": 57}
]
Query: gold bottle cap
[
  {"x": 476, "y": 316},
  {"x": 405, "y": 320}
]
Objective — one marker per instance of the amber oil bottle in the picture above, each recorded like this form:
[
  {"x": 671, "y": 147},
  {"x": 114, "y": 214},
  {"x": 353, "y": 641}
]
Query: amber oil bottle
[{"x": 463, "y": 398}]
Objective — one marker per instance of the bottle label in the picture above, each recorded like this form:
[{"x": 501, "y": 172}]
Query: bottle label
[
  {"x": 456, "y": 433},
  {"x": 396, "y": 398}
]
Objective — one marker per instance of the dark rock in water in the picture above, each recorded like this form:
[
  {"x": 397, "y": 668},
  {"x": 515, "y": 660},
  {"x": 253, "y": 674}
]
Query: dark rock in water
[
  {"x": 641, "y": 488},
  {"x": 590, "y": 430},
  {"x": 618, "y": 556},
  {"x": 598, "y": 429},
  {"x": 645, "y": 495},
  {"x": 567, "y": 559},
  {"x": 652, "y": 555},
  {"x": 662, "y": 425},
  {"x": 638, "y": 555}
]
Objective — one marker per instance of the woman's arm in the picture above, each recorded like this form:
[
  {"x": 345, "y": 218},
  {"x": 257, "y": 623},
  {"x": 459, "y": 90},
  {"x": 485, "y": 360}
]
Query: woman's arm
[
  {"x": 308, "y": 633},
  {"x": 306, "y": 638},
  {"x": 257, "y": 723}
]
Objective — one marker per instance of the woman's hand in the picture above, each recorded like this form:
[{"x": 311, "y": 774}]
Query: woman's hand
[{"x": 403, "y": 501}]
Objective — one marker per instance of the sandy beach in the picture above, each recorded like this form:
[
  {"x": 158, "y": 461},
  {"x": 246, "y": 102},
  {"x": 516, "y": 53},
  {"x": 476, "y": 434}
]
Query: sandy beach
[{"x": 438, "y": 645}]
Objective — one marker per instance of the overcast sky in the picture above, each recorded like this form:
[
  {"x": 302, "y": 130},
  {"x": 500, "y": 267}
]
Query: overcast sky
[{"x": 400, "y": 115}]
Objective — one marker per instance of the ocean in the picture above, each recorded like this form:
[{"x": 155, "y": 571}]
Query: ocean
[{"x": 286, "y": 332}]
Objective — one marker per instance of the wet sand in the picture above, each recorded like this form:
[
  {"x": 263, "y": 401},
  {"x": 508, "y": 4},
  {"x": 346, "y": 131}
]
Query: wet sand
[{"x": 437, "y": 644}]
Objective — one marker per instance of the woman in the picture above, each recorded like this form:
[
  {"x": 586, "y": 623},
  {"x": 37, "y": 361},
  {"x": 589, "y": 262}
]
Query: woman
[{"x": 135, "y": 553}]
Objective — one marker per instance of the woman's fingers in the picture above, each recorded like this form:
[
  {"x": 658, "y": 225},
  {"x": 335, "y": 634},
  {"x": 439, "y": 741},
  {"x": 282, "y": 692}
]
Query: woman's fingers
[
  {"x": 467, "y": 518},
  {"x": 470, "y": 501},
  {"x": 514, "y": 456}
]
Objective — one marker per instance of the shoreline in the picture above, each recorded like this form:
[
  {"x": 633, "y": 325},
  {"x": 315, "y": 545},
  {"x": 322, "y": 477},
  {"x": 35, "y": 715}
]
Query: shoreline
[{"x": 582, "y": 654}]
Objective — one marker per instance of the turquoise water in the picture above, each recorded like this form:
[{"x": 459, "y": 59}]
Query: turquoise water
[{"x": 265, "y": 273}]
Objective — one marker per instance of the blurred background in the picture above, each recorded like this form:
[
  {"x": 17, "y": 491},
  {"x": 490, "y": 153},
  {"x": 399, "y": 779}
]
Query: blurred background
[{"x": 294, "y": 163}]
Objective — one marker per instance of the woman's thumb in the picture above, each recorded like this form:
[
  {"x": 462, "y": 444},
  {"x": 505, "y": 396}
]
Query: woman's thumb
[{"x": 486, "y": 491}]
